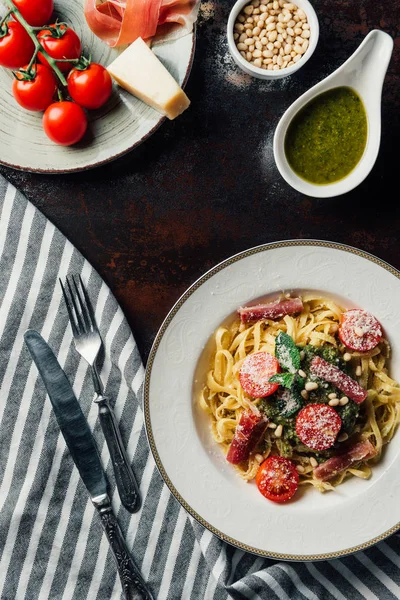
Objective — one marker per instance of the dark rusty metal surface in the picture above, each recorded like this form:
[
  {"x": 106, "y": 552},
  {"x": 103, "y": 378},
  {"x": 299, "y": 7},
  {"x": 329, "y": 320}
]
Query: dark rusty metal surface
[{"x": 205, "y": 186}]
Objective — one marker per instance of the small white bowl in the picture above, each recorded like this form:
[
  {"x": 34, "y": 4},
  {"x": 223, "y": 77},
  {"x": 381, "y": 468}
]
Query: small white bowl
[
  {"x": 269, "y": 74},
  {"x": 364, "y": 71}
]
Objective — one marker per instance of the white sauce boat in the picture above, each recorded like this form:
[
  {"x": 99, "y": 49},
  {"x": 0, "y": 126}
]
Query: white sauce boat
[{"x": 364, "y": 72}]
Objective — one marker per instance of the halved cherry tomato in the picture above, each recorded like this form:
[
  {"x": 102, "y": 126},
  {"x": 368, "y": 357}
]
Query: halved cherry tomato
[
  {"x": 318, "y": 425},
  {"x": 255, "y": 372},
  {"x": 35, "y": 12},
  {"x": 277, "y": 479},
  {"x": 359, "y": 330},
  {"x": 65, "y": 123},
  {"x": 35, "y": 90},
  {"x": 90, "y": 87},
  {"x": 16, "y": 47},
  {"x": 60, "y": 42}
]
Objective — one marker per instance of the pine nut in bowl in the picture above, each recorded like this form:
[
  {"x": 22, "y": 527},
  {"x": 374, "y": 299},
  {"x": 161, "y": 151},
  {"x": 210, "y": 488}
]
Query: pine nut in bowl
[
  {"x": 272, "y": 39},
  {"x": 327, "y": 141}
]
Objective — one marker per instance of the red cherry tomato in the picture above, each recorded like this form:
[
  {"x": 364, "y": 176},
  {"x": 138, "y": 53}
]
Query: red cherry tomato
[
  {"x": 60, "y": 42},
  {"x": 35, "y": 93},
  {"x": 317, "y": 426},
  {"x": 65, "y": 123},
  {"x": 277, "y": 479},
  {"x": 90, "y": 87},
  {"x": 35, "y": 12},
  {"x": 16, "y": 47},
  {"x": 359, "y": 330},
  {"x": 255, "y": 373}
]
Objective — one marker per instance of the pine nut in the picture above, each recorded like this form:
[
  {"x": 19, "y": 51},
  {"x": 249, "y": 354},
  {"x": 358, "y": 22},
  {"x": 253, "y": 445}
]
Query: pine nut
[
  {"x": 257, "y": 53},
  {"x": 301, "y": 373},
  {"x": 332, "y": 396},
  {"x": 259, "y": 458},
  {"x": 343, "y": 437},
  {"x": 313, "y": 462},
  {"x": 343, "y": 401},
  {"x": 311, "y": 385},
  {"x": 302, "y": 353},
  {"x": 300, "y": 468},
  {"x": 334, "y": 402},
  {"x": 359, "y": 331},
  {"x": 272, "y": 425},
  {"x": 278, "y": 431},
  {"x": 262, "y": 23},
  {"x": 359, "y": 371},
  {"x": 304, "y": 394},
  {"x": 241, "y": 46},
  {"x": 346, "y": 356}
]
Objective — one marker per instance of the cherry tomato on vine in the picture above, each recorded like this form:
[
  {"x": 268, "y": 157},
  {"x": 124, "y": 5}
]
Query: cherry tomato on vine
[
  {"x": 90, "y": 87},
  {"x": 34, "y": 89},
  {"x": 16, "y": 47},
  {"x": 35, "y": 12},
  {"x": 65, "y": 123},
  {"x": 60, "y": 42}
]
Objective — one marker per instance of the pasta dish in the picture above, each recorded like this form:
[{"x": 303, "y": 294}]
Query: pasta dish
[{"x": 299, "y": 392}]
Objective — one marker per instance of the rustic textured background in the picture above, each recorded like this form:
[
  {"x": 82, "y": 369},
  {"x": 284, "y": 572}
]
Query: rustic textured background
[{"x": 205, "y": 186}]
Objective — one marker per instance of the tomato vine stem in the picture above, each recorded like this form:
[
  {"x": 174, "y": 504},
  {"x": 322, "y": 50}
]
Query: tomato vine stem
[{"x": 38, "y": 48}]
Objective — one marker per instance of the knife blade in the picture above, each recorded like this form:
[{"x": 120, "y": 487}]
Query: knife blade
[{"x": 84, "y": 452}]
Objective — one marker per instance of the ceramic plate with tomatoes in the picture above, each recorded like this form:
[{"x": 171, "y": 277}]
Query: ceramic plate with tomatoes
[{"x": 102, "y": 122}]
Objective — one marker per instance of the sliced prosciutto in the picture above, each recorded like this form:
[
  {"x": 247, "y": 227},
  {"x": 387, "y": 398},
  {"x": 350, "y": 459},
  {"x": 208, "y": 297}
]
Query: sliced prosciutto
[
  {"x": 272, "y": 310},
  {"x": 334, "y": 375},
  {"x": 121, "y": 22},
  {"x": 247, "y": 435},
  {"x": 333, "y": 466}
]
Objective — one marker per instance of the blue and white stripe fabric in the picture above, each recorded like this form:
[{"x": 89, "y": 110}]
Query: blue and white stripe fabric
[{"x": 52, "y": 546}]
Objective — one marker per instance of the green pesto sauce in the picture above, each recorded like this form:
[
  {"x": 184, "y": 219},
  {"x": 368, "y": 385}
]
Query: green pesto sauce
[{"x": 327, "y": 137}]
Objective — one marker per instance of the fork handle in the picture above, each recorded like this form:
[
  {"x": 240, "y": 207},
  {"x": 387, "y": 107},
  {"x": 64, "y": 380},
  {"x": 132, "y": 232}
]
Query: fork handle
[{"x": 126, "y": 483}]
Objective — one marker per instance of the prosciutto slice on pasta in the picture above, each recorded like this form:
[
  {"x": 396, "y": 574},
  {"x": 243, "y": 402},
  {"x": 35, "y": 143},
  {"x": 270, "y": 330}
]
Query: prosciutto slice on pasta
[{"x": 121, "y": 22}]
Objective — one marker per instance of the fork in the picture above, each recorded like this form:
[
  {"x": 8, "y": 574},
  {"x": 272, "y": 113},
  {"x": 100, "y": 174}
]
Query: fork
[{"x": 88, "y": 343}]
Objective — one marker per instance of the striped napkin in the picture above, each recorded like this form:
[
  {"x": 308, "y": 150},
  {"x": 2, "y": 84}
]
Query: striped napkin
[{"x": 51, "y": 542}]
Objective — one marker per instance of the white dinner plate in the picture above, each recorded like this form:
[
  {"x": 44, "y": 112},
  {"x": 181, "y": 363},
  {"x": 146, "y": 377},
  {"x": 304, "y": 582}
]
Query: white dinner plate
[
  {"x": 315, "y": 526},
  {"x": 120, "y": 125}
]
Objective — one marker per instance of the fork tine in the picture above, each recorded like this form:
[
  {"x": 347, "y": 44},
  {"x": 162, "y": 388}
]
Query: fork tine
[
  {"x": 84, "y": 309},
  {"x": 70, "y": 310},
  {"x": 80, "y": 323},
  {"x": 89, "y": 306}
]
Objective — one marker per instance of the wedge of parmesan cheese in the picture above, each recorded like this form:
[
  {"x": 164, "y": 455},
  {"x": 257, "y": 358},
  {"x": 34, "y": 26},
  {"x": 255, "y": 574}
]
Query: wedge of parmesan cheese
[{"x": 138, "y": 70}]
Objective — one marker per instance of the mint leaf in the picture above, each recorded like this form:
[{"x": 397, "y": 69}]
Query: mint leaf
[
  {"x": 289, "y": 401},
  {"x": 287, "y": 353},
  {"x": 284, "y": 379}
]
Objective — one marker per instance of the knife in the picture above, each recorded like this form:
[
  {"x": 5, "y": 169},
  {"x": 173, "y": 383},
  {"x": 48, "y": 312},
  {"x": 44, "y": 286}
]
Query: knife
[{"x": 83, "y": 449}]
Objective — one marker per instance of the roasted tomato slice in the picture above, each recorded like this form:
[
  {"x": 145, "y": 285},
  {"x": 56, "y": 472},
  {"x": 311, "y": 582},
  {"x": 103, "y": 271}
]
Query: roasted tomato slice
[
  {"x": 317, "y": 426},
  {"x": 277, "y": 479},
  {"x": 359, "y": 330},
  {"x": 255, "y": 373}
]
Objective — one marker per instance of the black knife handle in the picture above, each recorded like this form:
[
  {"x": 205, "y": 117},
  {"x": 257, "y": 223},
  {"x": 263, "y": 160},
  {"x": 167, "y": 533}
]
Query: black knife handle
[
  {"x": 128, "y": 488},
  {"x": 133, "y": 584}
]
